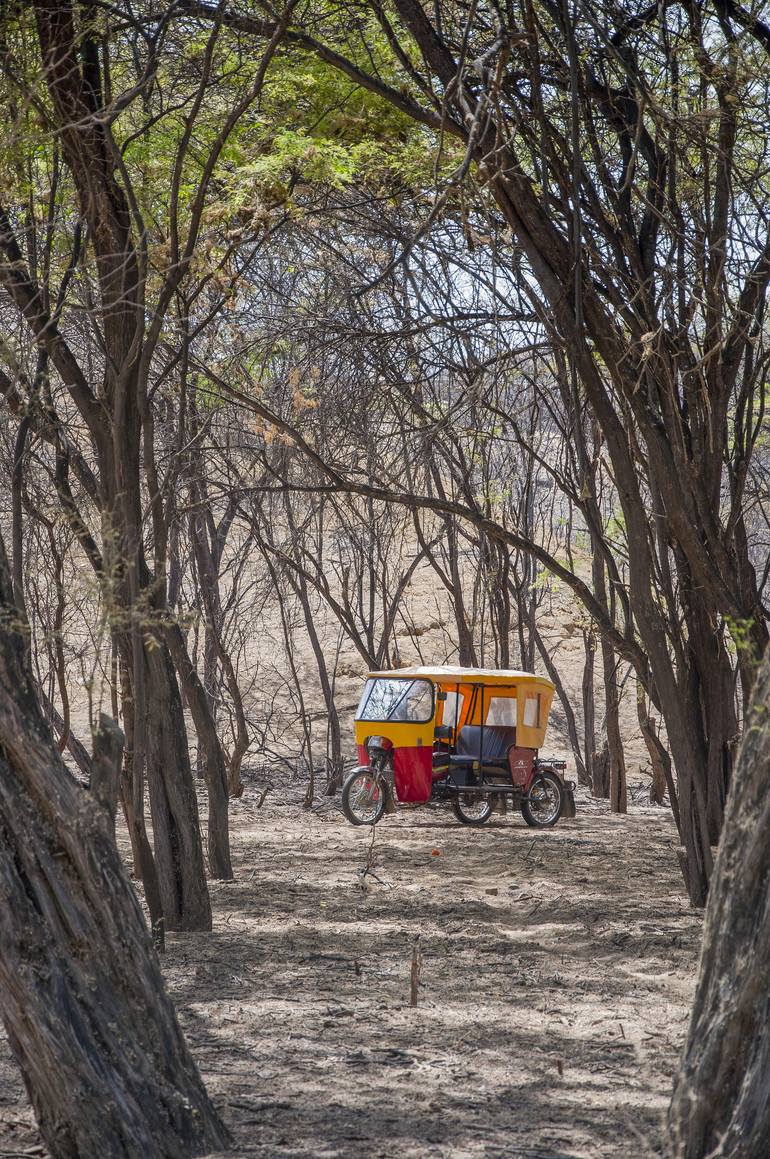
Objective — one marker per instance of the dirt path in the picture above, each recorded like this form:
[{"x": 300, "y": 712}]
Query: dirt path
[{"x": 557, "y": 970}]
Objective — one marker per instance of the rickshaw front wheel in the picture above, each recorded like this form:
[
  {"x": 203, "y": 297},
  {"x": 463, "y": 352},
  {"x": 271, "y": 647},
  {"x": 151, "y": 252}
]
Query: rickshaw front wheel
[
  {"x": 472, "y": 809},
  {"x": 363, "y": 798},
  {"x": 542, "y": 807}
]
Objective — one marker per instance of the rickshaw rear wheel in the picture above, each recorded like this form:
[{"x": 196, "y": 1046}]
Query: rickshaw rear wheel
[
  {"x": 363, "y": 798},
  {"x": 472, "y": 809},
  {"x": 542, "y": 807}
]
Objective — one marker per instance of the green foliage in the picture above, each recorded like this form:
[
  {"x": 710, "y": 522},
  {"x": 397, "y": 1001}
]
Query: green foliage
[{"x": 742, "y": 637}]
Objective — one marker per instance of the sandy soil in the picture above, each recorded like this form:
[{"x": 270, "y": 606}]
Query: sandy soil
[{"x": 557, "y": 970}]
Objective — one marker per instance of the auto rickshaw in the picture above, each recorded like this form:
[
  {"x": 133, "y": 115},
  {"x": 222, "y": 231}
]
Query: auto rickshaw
[{"x": 466, "y": 735}]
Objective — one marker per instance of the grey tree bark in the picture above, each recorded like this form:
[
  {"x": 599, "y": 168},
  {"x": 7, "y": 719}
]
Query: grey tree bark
[
  {"x": 721, "y": 1100},
  {"x": 105, "y": 1063}
]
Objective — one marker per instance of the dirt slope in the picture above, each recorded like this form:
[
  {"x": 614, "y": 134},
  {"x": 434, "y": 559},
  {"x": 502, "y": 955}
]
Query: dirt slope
[{"x": 557, "y": 969}]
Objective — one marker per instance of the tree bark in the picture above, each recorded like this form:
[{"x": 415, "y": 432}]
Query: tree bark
[
  {"x": 208, "y": 541},
  {"x": 721, "y": 1100},
  {"x": 214, "y": 769},
  {"x": 566, "y": 704},
  {"x": 76, "y": 749},
  {"x": 589, "y": 707},
  {"x": 662, "y": 773},
  {"x": 613, "y": 746},
  {"x": 617, "y": 759},
  {"x": 107, "y": 759},
  {"x": 173, "y": 804},
  {"x": 82, "y": 999},
  {"x": 601, "y": 764},
  {"x": 70, "y": 59}
]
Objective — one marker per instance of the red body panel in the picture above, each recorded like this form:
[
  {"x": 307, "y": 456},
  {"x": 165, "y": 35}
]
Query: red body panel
[
  {"x": 363, "y": 755},
  {"x": 522, "y": 764},
  {"x": 413, "y": 773}
]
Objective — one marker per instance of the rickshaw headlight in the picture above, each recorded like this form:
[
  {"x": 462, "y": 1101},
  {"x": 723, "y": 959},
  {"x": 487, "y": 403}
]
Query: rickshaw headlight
[{"x": 378, "y": 742}]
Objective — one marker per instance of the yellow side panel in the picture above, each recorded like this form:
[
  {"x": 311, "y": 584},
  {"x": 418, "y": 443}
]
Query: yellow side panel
[
  {"x": 401, "y": 734},
  {"x": 534, "y": 707}
]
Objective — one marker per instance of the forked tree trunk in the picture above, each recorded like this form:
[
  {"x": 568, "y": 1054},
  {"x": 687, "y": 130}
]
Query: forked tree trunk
[
  {"x": 104, "y": 1061},
  {"x": 720, "y": 1103}
]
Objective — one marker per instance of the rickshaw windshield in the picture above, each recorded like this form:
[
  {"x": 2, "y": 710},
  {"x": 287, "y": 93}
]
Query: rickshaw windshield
[{"x": 387, "y": 698}]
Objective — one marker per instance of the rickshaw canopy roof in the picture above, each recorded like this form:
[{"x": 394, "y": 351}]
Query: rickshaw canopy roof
[{"x": 448, "y": 674}]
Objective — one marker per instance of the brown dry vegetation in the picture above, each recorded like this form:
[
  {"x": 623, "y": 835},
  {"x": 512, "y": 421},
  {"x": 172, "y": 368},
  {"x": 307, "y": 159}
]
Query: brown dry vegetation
[{"x": 557, "y": 973}]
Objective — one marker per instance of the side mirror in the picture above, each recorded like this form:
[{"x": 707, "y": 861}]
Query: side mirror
[
  {"x": 443, "y": 732},
  {"x": 440, "y": 694}
]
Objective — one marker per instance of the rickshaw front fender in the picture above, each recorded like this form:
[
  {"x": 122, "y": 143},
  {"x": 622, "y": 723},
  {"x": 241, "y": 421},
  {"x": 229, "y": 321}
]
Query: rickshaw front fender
[{"x": 413, "y": 773}]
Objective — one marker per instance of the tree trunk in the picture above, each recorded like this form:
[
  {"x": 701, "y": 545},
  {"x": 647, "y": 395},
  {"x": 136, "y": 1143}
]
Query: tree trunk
[
  {"x": 601, "y": 762},
  {"x": 569, "y": 714},
  {"x": 173, "y": 804},
  {"x": 500, "y": 601},
  {"x": 589, "y": 708},
  {"x": 613, "y": 746},
  {"x": 466, "y": 649},
  {"x": 334, "y": 761},
  {"x": 617, "y": 760},
  {"x": 720, "y": 1103},
  {"x": 76, "y": 749},
  {"x": 83, "y": 1002},
  {"x": 662, "y": 773},
  {"x": 208, "y": 557},
  {"x": 107, "y": 760},
  {"x": 214, "y": 769}
]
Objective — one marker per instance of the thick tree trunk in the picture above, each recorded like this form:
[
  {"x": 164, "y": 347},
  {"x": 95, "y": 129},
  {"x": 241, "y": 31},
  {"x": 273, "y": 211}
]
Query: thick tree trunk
[
  {"x": 721, "y": 1102},
  {"x": 714, "y": 695},
  {"x": 82, "y": 998},
  {"x": 695, "y": 854}
]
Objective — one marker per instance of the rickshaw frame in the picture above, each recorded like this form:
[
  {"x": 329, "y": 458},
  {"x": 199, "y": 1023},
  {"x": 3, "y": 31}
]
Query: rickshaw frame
[{"x": 467, "y": 759}]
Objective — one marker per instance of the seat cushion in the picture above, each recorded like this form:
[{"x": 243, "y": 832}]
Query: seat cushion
[{"x": 497, "y": 739}]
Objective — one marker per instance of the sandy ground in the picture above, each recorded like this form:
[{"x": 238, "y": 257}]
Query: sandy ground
[{"x": 556, "y": 973}]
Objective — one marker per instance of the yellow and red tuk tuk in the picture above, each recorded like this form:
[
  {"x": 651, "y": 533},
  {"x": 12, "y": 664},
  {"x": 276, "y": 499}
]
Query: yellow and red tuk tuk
[{"x": 466, "y": 735}]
